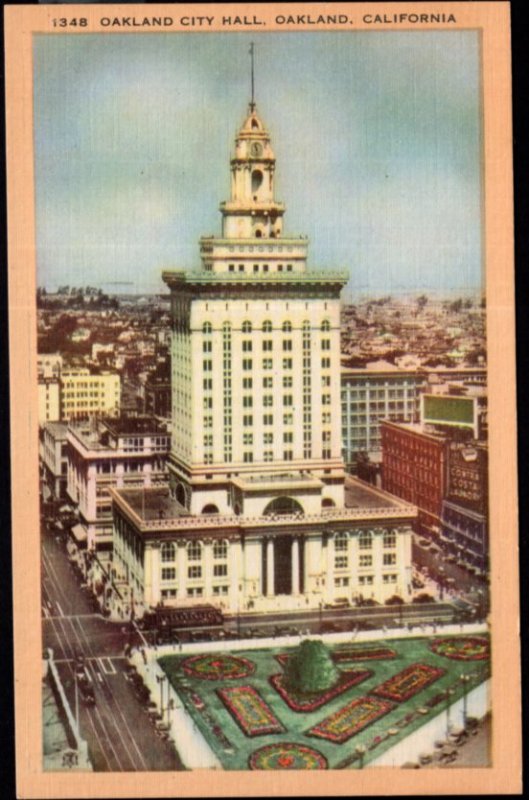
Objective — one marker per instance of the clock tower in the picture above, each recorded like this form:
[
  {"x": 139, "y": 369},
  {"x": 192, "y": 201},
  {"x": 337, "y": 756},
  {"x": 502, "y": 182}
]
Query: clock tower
[{"x": 252, "y": 211}]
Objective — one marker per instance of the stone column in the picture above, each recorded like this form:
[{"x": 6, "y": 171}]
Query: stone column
[
  {"x": 233, "y": 570},
  {"x": 208, "y": 567},
  {"x": 295, "y": 566},
  {"x": 155, "y": 573},
  {"x": 181, "y": 570},
  {"x": 329, "y": 579},
  {"x": 270, "y": 567}
]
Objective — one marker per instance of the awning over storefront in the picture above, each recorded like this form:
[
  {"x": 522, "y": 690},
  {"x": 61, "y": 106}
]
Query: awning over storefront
[{"x": 79, "y": 533}]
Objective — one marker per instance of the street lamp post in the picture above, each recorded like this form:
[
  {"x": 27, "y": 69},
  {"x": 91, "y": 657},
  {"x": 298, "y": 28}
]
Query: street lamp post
[
  {"x": 449, "y": 693},
  {"x": 76, "y": 701},
  {"x": 161, "y": 680},
  {"x": 464, "y": 680},
  {"x": 360, "y": 750}
]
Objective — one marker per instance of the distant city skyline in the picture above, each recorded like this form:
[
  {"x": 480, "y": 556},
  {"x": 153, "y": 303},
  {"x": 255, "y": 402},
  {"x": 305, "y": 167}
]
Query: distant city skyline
[{"x": 378, "y": 154}]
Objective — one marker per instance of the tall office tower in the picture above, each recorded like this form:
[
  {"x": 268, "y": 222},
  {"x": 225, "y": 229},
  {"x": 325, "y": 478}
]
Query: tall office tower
[{"x": 255, "y": 357}]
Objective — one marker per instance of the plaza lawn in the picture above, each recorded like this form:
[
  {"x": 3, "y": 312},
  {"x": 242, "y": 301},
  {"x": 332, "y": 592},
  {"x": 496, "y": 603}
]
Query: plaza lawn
[{"x": 233, "y": 747}]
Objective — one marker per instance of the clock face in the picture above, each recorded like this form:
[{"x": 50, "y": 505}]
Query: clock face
[{"x": 256, "y": 149}]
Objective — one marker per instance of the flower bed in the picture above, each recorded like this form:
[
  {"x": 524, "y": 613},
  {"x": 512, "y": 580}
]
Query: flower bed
[
  {"x": 217, "y": 667},
  {"x": 250, "y": 711},
  {"x": 408, "y": 683},
  {"x": 363, "y": 654},
  {"x": 310, "y": 702},
  {"x": 287, "y": 755},
  {"x": 468, "y": 648},
  {"x": 351, "y": 719}
]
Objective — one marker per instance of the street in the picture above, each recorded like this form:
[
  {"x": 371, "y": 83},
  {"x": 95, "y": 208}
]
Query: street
[{"x": 117, "y": 728}]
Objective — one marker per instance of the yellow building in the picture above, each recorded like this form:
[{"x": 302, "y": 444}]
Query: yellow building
[{"x": 84, "y": 394}]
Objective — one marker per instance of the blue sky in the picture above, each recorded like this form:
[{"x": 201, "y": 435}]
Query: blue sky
[{"x": 377, "y": 138}]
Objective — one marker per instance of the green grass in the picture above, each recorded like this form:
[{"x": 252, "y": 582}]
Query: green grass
[{"x": 296, "y": 724}]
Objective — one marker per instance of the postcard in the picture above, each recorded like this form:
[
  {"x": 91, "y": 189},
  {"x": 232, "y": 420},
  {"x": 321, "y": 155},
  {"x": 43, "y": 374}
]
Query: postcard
[{"x": 262, "y": 399}]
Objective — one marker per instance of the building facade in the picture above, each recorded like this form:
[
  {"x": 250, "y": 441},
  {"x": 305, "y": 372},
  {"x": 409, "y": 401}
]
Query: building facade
[
  {"x": 259, "y": 513},
  {"x": 84, "y": 393},
  {"x": 370, "y": 395},
  {"x": 111, "y": 453},
  {"x": 53, "y": 460},
  {"x": 414, "y": 468}
]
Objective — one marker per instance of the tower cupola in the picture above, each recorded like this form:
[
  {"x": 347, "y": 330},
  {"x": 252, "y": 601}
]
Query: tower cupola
[{"x": 252, "y": 211}]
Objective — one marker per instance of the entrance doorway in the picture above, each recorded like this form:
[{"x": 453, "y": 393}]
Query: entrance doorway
[{"x": 283, "y": 565}]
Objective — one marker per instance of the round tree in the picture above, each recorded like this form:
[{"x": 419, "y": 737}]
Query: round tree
[{"x": 310, "y": 668}]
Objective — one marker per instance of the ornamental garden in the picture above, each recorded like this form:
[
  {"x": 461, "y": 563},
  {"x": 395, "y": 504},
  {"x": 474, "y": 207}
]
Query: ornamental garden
[{"x": 323, "y": 707}]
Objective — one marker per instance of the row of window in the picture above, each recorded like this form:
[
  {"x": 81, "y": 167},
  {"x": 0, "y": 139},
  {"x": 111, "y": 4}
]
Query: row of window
[
  {"x": 267, "y": 327},
  {"x": 195, "y": 572}
]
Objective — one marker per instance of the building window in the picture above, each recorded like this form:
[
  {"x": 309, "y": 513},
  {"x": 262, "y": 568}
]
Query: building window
[
  {"x": 326, "y": 399},
  {"x": 168, "y": 551},
  {"x": 246, "y": 326},
  {"x": 366, "y": 561},
  {"x": 207, "y": 328},
  {"x": 247, "y": 420},
  {"x": 365, "y": 580},
  {"x": 287, "y": 344},
  {"x": 220, "y": 570},
  {"x": 207, "y": 347},
  {"x": 195, "y": 591},
  {"x": 288, "y": 437},
  {"x": 247, "y": 401},
  {"x": 326, "y": 363},
  {"x": 247, "y": 438},
  {"x": 389, "y": 579},
  {"x": 325, "y": 325},
  {"x": 220, "y": 550},
  {"x": 208, "y": 440},
  {"x": 267, "y": 363},
  {"x": 287, "y": 400},
  {"x": 288, "y": 419},
  {"x": 287, "y": 382},
  {"x": 268, "y": 344},
  {"x": 220, "y": 591},
  {"x": 247, "y": 383},
  {"x": 389, "y": 559},
  {"x": 207, "y": 365},
  {"x": 325, "y": 344},
  {"x": 168, "y": 574},
  {"x": 288, "y": 455},
  {"x": 207, "y": 402},
  {"x": 247, "y": 346},
  {"x": 194, "y": 551},
  {"x": 286, "y": 327},
  {"x": 267, "y": 326},
  {"x": 194, "y": 572},
  {"x": 268, "y": 400},
  {"x": 247, "y": 457},
  {"x": 325, "y": 380},
  {"x": 287, "y": 363},
  {"x": 207, "y": 384},
  {"x": 389, "y": 539},
  {"x": 247, "y": 364},
  {"x": 268, "y": 419},
  {"x": 268, "y": 438},
  {"x": 268, "y": 455},
  {"x": 268, "y": 383},
  {"x": 365, "y": 540}
]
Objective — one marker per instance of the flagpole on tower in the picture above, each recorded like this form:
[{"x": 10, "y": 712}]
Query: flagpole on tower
[{"x": 252, "y": 104}]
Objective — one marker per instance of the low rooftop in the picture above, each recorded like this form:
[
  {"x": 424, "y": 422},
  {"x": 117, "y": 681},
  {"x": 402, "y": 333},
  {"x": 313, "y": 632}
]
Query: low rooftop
[{"x": 155, "y": 507}]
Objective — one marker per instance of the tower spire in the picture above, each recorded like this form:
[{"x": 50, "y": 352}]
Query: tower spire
[{"x": 252, "y": 103}]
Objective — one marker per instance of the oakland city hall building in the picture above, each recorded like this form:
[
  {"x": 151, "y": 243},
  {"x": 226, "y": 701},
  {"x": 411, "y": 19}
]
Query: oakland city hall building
[{"x": 259, "y": 513}]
